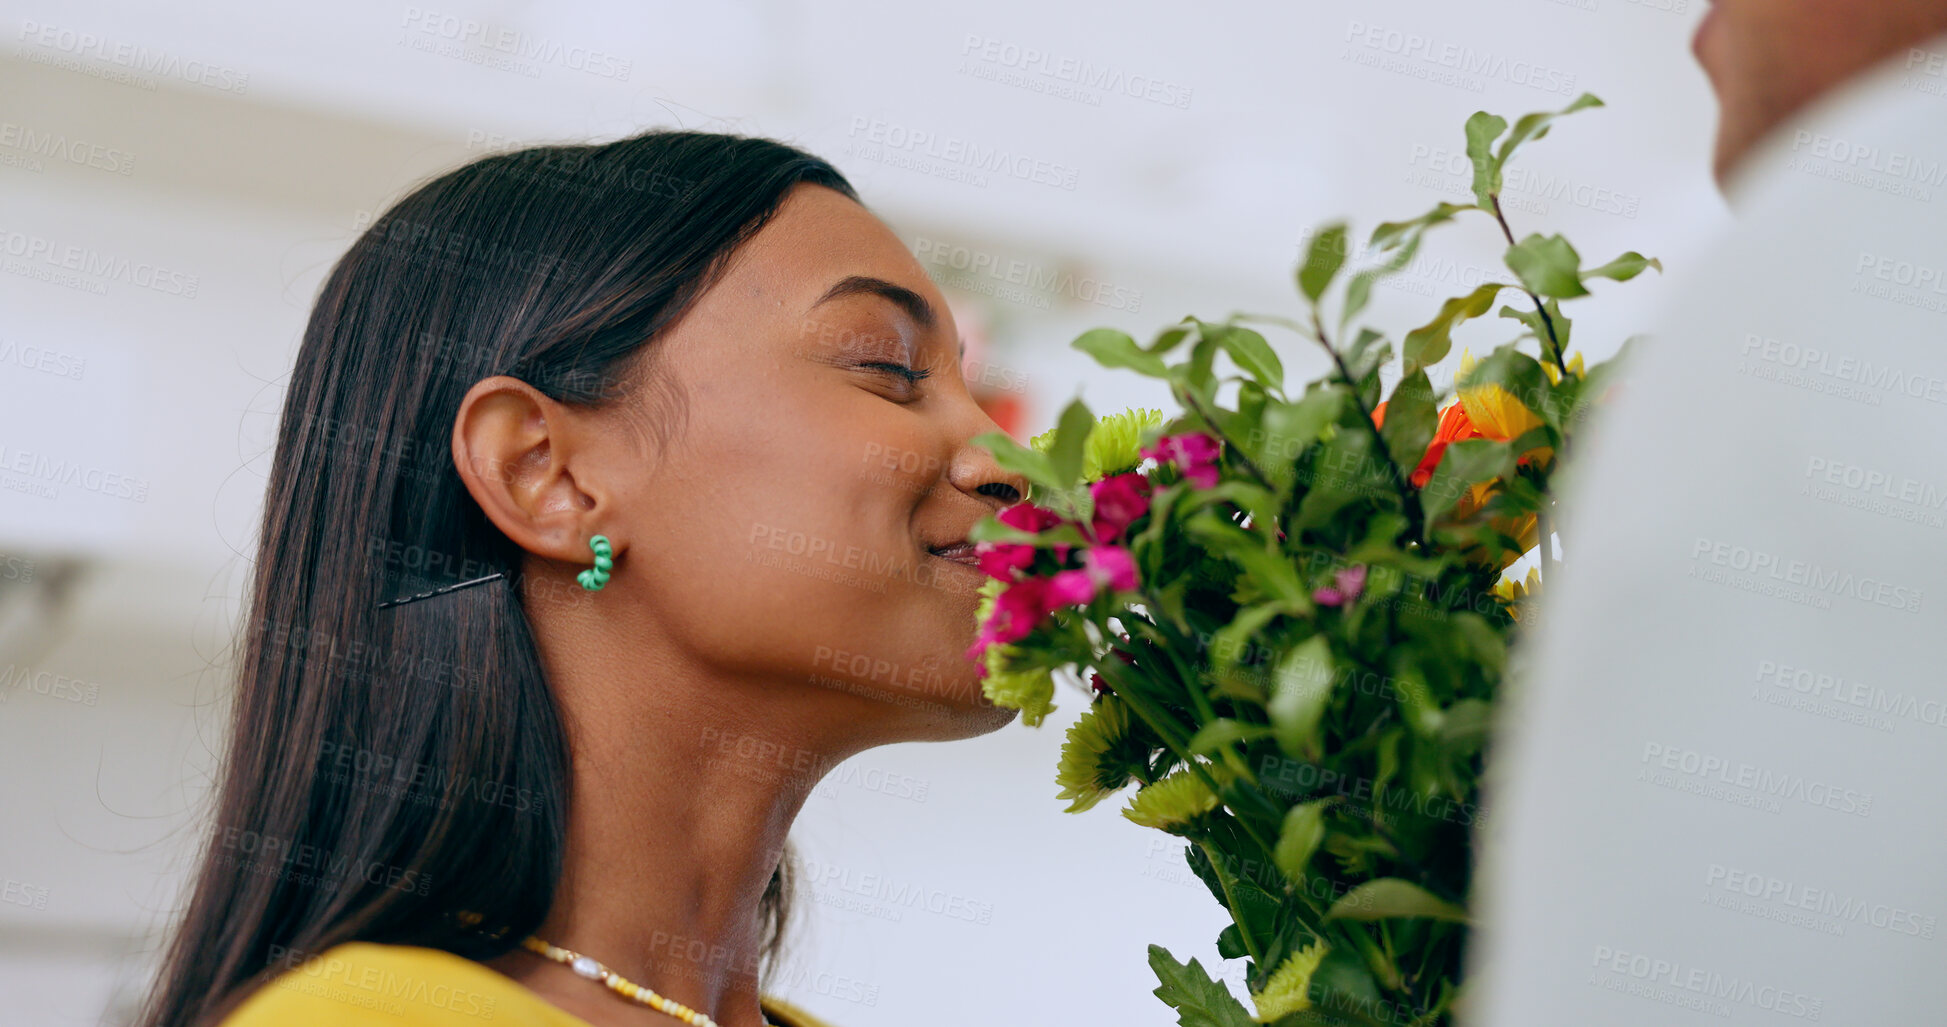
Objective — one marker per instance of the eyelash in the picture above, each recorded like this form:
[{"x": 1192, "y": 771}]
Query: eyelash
[{"x": 909, "y": 373}]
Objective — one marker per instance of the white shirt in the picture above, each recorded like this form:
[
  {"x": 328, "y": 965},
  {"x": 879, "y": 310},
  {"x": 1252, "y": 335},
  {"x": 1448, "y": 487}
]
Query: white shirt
[{"x": 1721, "y": 794}]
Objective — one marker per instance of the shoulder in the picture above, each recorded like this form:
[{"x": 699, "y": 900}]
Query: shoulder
[{"x": 364, "y": 984}]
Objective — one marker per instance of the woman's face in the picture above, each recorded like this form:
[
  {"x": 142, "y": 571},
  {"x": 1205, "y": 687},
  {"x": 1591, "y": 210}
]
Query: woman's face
[{"x": 793, "y": 523}]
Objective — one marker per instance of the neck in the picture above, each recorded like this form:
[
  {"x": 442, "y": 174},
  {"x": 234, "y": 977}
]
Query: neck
[{"x": 685, "y": 787}]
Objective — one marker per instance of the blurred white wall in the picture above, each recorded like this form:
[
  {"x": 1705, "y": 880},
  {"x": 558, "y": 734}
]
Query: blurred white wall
[{"x": 227, "y": 152}]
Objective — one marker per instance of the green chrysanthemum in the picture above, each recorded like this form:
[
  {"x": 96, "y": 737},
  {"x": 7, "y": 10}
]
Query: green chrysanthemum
[
  {"x": 1175, "y": 802},
  {"x": 1099, "y": 757},
  {"x": 990, "y": 593},
  {"x": 1114, "y": 445},
  {"x": 1285, "y": 992},
  {"x": 1032, "y": 691}
]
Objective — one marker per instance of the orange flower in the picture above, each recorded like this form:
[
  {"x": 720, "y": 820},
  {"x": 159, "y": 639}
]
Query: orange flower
[{"x": 1455, "y": 426}]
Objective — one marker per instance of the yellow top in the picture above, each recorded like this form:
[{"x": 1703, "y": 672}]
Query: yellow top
[{"x": 365, "y": 984}]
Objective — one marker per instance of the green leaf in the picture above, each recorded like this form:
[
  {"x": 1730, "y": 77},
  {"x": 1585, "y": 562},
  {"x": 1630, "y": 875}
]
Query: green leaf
[
  {"x": 1540, "y": 328},
  {"x": 1521, "y": 375},
  {"x": 1343, "y": 472},
  {"x": 1195, "y": 377},
  {"x": 1229, "y": 643},
  {"x": 1395, "y": 233},
  {"x": 1390, "y": 897},
  {"x": 1416, "y": 704},
  {"x": 1323, "y": 260},
  {"x": 1482, "y": 129},
  {"x": 1230, "y": 943},
  {"x": 1358, "y": 291},
  {"x": 1466, "y": 727},
  {"x": 989, "y": 529},
  {"x": 1401, "y": 239},
  {"x": 1198, "y": 1000},
  {"x": 1271, "y": 572},
  {"x": 1464, "y": 464},
  {"x": 1288, "y": 430},
  {"x": 1535, "y": 126},
  {"x": 1112, "y": 348},
  {"x": 1410, "y": 420},
  {"x": 1300, "y": 691},
  {"x": 1369, "y": 352},
  {"x": 1012, "y": 456},
  {"x": 1253, "y": 354},
  {"x": 1548, "y": 266},
  {"x": 1071, "y": 441},
  {"x": 1624, "y": 268},
  {"x": 1299, "y": 838},
  {"x": 1171, "y": 337},
  {"x": 1428, "y": 344},
  {"x": 1222, "y": 732}
]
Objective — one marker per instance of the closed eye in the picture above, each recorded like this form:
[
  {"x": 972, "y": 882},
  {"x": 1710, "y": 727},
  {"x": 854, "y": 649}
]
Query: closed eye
[{"x": 911, "y": 374}]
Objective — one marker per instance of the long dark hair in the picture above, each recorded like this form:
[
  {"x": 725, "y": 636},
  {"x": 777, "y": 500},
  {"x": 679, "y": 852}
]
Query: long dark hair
[{"x": 401, "y": 774}]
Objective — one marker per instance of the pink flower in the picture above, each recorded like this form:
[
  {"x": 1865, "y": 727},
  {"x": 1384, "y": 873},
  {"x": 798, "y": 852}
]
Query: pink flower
[
  {"x": 1119, "y": 500},
  {"x": 1111, "y": 567},
  {"x": 1069, "y": 588},
  {"x": 1347, "y": 584},
  {"x": 1028, "y": 517},
  {"x": 1002, "y": 559},
  {"x": 1193, "y": 453},
  {"x": 1019, "y": 609},
  {"x": 1108, "y": 567}
]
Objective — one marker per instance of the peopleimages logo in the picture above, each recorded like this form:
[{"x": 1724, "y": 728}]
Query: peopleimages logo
[
  {"x": 1017, "y": 271},
  {"x": 1821, "y": 901},
  {"x": 1870, "y": 698},
  {"x": 93, "y": 263},
  {"x": 90, "y": 47},
  {"x": 1694, "y": 987},
  {"x": 1810, "y": 576},
  {"x": 1074, "y": 71},
  {"x": 1473, "y": 66},
  {"x": 890, "y": 139},
  {"x": 1775, "y": 784}
]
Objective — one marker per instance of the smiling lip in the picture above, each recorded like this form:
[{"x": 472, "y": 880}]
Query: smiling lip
[{"x": 958, "y": 552}]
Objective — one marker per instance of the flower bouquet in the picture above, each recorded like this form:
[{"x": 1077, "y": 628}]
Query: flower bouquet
[{"x": 1290, "y": 612}]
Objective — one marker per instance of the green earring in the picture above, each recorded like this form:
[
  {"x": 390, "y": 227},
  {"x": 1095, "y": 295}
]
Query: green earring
[{"x": 595, "y": 577}]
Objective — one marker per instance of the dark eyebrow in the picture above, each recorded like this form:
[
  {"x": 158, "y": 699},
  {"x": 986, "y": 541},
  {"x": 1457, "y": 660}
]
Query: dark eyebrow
[{"x": 913, "y": 303}]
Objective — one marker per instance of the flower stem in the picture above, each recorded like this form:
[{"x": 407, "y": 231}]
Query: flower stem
[
  {"x": 1547, "y": 544},
  {"x": 1547, "y": 322},
  {"x": 1410, "y": 497},
  {"x": 1236, "y": 912},
  {"x": 1178, "y": 745}
]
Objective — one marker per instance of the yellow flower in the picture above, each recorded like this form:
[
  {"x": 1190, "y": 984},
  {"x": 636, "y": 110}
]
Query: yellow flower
[
  {"x": 1495, "y": 411},
  {"x": 1285, "y": 992},
  {"x": 1176, "y": 801},
  {"x": 1515, "y": 593},
  {"x": 1555, "y": 376}
]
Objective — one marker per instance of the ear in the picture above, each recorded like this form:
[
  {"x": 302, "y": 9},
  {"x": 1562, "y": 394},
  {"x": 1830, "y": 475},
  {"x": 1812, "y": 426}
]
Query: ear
[{"x": 516, "y": 451}]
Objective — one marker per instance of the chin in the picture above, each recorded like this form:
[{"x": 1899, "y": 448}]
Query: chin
[{"x": 960, "y": 710}]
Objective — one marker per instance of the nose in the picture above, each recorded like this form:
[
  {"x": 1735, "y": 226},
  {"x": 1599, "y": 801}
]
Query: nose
[{"x": 975, "y": 472}]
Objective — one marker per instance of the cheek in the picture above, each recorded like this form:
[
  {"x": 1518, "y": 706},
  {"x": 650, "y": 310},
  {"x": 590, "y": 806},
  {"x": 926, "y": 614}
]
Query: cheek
[
  {"x": 776, "y": 544},
  {"x": 897, "y": 465}
]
